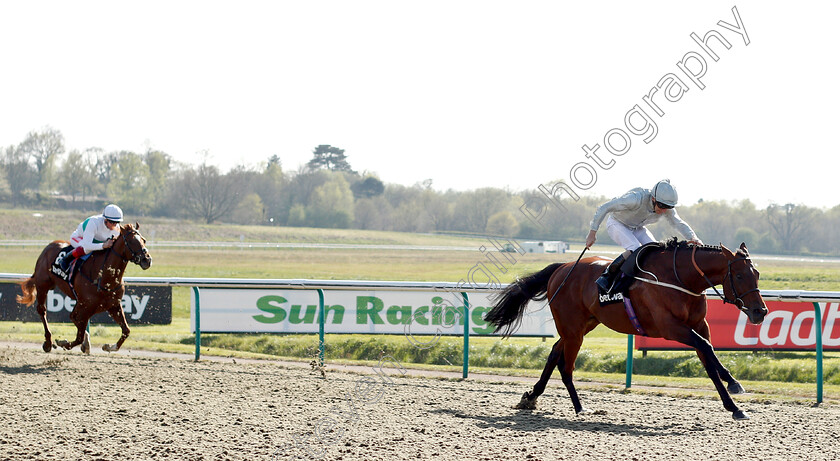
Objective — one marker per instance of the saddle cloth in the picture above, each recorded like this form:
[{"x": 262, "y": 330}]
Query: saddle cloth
[
  {"x": 56, "y": 269},
  {"x": 619, "y": 291}
]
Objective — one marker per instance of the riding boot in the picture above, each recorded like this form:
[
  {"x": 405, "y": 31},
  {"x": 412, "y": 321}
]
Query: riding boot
[
  {"x": 66, "y": 260},
  {"x": 606, "y": 280},
  {"x": 69, "y": 257}
]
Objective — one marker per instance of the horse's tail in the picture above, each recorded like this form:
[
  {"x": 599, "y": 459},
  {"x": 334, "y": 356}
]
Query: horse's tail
[
  {"x": 29, "y": 291},
  {"x": 509, "y": 305}
]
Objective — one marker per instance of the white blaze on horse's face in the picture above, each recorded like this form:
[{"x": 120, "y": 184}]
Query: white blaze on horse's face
[
  {"x": 145, "y": 260},
  {"x": 136, "y": 245}
]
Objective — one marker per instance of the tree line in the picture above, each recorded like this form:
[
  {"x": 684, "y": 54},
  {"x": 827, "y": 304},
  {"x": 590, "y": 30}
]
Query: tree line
[{"x": 327, "y": 192}]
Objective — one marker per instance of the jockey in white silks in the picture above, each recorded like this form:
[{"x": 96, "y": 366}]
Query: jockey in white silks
[
  {"x": 94, "y": 233},
  {"x": 627, "y": 217}
]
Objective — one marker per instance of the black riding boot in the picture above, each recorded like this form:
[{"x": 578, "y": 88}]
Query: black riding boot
[
  {"x": 66, "y": 260},
  {"x": 606, "y": 280}
]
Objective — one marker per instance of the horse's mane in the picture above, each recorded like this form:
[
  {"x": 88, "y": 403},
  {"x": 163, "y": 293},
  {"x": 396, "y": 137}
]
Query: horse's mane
[{"x": 674, "y": 244}]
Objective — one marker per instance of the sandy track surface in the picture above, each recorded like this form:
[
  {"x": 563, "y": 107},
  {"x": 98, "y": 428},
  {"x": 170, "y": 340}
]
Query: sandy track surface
[{"x": 66, "y": 406}]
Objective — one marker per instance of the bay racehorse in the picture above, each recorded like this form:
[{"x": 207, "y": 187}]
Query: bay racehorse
[
  {"x": 97, "y": 286},
  {"x": 672, "y": 307}
]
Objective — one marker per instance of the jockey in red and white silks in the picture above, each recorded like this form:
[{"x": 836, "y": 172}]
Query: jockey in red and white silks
[
  {"x": 94, "y": 233},
  {"x": 627, "y": 216}
]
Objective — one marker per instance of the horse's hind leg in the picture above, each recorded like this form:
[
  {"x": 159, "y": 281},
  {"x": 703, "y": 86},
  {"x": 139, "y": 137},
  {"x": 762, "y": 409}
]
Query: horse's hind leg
[
  {"x": 529, "y": 399},
  {"x": 41, "y": 306},
  {"x": 567, "y": 368},
  {"x": 81, "y": 322},
  {"x": 118, "y": 315}
]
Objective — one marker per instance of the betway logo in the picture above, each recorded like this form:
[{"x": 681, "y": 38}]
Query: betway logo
[
  {"x": 132, "y": 305},
  {"x": 788, "y": 330},
  {"x": 613, "y": 298}
]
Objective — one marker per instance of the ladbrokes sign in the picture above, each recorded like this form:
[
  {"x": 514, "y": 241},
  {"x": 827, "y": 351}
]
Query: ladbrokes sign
[{"x": 788, "y": 326}]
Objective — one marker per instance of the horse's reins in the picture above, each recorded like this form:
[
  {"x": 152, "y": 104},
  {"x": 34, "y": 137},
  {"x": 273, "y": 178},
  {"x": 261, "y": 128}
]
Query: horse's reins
[
  {"x": 135, "y": 258},
  {"x": 656, "y": 280},
  {"x": 738, "y": 302},
  {"x": 567, "y": 275}
]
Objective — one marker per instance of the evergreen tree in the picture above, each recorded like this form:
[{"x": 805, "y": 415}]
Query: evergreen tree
[{"x": 330, "y": 158}]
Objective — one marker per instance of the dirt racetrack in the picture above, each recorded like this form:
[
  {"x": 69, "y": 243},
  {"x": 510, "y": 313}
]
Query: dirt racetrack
[{"x": 66, "y": 406}]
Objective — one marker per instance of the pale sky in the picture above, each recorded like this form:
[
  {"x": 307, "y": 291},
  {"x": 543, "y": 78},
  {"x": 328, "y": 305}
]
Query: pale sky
[{"x": 468, "y": 93}]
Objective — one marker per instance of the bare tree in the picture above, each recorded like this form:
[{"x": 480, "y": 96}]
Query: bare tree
[
  {"x": 20, "y": 175},
  {"x": 438, "y": 208},
  {"x": 44, "y": 148},
  {"x": 789, "y": 223},
  {"x": 474, "y": 208},
  {"x": 103, "y": 164},
  {"x": 212, "y": 195}
]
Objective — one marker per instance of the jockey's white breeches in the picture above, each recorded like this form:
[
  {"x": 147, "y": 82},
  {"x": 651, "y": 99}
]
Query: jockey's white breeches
[{"x": 629, "y": 239}]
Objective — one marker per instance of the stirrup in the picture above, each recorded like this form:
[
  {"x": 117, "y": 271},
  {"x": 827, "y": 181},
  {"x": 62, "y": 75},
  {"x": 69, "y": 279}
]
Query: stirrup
[{"x": 605, "y": 283}]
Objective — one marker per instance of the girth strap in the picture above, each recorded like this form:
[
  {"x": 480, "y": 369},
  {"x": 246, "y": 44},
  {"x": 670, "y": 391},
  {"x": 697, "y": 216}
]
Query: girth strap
[{"x": 631, "y": 314}]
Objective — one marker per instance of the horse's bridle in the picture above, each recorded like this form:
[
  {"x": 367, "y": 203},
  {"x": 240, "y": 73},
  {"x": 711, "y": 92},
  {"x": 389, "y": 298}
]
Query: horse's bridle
[
  {"x": 738, "y": 301},
  {"x": 136, "y": 256}
]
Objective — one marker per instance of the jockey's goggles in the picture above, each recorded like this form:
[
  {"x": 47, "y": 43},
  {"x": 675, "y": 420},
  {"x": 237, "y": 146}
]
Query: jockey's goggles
[{"x": 664, "y": 206}]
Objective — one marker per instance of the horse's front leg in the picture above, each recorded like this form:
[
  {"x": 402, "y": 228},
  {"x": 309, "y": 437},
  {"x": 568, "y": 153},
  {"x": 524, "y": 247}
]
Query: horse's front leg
[
  {"x": 712, "y": 364},
  {"x": 733, "y": 386},
  {"x": 118, "y": 315}
]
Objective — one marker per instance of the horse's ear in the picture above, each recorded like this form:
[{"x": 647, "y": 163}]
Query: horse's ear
[
  {"x": 727, "y": 251},
  {"x": 744, "y": 248},
  {"x": 136, "y": 225}
]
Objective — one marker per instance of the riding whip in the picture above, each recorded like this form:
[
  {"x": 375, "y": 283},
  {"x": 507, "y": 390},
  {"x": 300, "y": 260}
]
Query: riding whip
[{"x": 567, "y": 275}]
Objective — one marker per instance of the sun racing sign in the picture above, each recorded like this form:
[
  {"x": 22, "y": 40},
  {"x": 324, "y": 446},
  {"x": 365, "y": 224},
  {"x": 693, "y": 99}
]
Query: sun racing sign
[{"x": 372, "y": 312}]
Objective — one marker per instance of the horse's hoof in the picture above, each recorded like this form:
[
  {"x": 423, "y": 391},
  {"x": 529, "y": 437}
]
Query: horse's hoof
[
  {"x": 736, "y": 388},
  {"x": 63, "y": 343},
  {"x": 109, "y": 347},
  {"x": 86, "y": 344},
  {"x": 585, "y": 411},
  {"x": 47, "y": 346},
  {"x": 740, "y": 415},
  {"x": 525, "y": 403}
]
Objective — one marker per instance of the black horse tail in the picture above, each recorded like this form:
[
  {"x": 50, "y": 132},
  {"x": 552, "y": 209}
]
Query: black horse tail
[{"x": 509, "y": 305}]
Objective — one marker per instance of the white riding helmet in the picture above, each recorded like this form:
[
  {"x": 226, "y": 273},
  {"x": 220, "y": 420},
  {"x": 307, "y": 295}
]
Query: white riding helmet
[
  {"x": 664, "y": 193},
  {"x": 113, "y": 213}
]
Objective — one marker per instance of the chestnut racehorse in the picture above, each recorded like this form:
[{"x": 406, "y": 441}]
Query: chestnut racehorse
[
  {"x": 672, "y": 307},
  {"x": 97, "y": 286}
]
